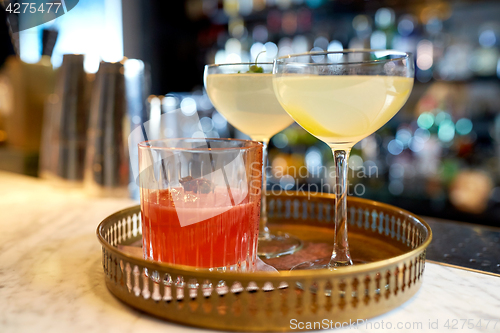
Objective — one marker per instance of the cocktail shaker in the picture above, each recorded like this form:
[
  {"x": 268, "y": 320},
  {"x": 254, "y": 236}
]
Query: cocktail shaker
[
  {"x": 107, "y": 160},
  {"x": 65, "y": 123}
]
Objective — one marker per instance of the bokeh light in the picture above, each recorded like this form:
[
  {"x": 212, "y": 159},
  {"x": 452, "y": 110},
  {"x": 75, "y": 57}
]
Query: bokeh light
[
  {"x": 233, "y": 46},
  {"x": 300, "y": 44},
  {"x": 416, "y": 144},
  {"x": 487, "y": 38},
  {"x": 321, "y": 42},
  {"x": 245, "y": 7},
  {"x": 422, "y": 133},
  {"x": 260, "y": 33},
  {"x": 219, "y": 121},
  {"x": 170, "y": 103},
  {"x": 313, "y": 161},
  {"x": 188, "y": 106},
  {"x": 233, "y": 58},
  {"x": 283, "y": 4},
  {"x": 396, "y": 171},
  {"x": 355, "y": 162},
  {"x": 204, "y": 103},
  {"x": 361, "y": 23},
  {"x": 284, "y": 46},
  {"x": 314, "y": 3},
  {"x": 434, "y": 25},
  {"x": 463, "y": 126},
  {"x": 255, "y": 49},
  {"x": 371, "y": 168},
  {"x": 287, "y": 182},
  {"x": 280, "y": 140},
  {"x": 317, "y": 58},
  {"x": 237, "y": 28},
  {"x": 335, "y": 45},
  {"x": 271, "y": 50},
  {"x": 395, "y": 147},
  {"x": 384, "y": 17},
  {"x": 425, "y": 54},
  {"x": 198, "y": 135},
  {"x": 206, "y": 124},
  {"x": 442, "y": 116},
  {"x": 446, "y": 131},
  {"x": 396, "y": 187},
  {"x": 289, "y": 23},
  {"x": 220, "y": 57},
  {"x": 425, "y": 120},
  {"x": 404, "y": 136},
  {"x": 231, "y": 7},
  {"x": 378, "y": 40},
  {"x": 406, "y": 25}
]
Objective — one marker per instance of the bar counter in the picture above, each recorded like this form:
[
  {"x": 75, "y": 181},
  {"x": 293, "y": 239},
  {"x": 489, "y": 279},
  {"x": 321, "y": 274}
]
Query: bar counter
[{"x": 51, "y": 276}]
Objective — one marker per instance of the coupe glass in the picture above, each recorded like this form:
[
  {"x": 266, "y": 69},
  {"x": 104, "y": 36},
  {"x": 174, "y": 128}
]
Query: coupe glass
[
  {"x": 244, "y": 94},
  {"x": 341, "y": 98}
]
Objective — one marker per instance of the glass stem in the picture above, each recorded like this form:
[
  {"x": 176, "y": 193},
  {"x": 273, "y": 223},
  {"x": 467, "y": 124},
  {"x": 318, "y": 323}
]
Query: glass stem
[
  {"x": 263, "y": 229},
  {"x": 340, "y": 255}
]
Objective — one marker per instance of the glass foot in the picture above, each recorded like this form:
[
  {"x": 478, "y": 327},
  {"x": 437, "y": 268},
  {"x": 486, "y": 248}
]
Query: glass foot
[
  {"x": 277, "y": 244},
  {"x": 324, "y": 263}
]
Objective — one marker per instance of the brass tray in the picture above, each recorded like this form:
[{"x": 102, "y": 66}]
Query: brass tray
[{"x": 391, "y": 239}]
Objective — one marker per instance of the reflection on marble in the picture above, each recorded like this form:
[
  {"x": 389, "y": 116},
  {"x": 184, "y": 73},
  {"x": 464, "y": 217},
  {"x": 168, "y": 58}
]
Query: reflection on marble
[{"x": 51, "y": 278}]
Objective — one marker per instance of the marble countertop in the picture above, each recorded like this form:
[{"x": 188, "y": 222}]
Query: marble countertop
[{"x": 51, "y": 277}]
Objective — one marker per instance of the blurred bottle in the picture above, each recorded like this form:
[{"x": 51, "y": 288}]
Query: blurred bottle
[
  {"x": 25, "y": 87},
  {"x": 65, "y": 123}
]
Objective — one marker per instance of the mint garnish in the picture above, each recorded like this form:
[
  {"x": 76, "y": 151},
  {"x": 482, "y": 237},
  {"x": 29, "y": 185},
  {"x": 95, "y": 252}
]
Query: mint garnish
[{"x": 255, "y": 68}]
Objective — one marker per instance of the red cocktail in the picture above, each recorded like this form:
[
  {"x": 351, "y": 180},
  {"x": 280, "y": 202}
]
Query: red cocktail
[{"x": 227, "y": 238}]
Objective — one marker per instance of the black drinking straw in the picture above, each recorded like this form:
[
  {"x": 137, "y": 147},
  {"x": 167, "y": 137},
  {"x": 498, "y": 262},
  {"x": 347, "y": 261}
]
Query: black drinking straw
[{"x": 163, "y": 169}]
